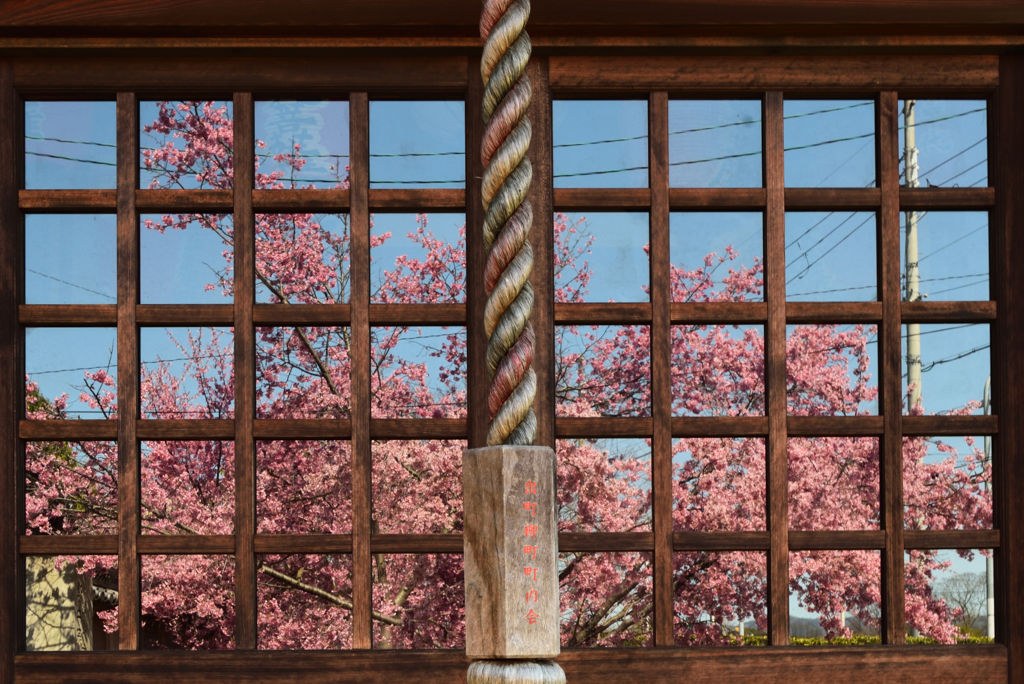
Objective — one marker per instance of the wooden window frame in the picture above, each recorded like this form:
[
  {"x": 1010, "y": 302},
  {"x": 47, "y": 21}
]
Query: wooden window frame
[{"x": 656, "y": 78}]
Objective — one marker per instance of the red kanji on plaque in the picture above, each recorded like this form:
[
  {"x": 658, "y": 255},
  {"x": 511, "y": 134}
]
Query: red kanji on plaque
[
  {"x": 532, "y": 616},
  {"x": 530, "y": 531},
  {"x": 531, "y": 595},
  {"x": 531, "y": 549},
  {"x": 532, "y": 571},
  {"x": 531, "y": 487},
  {"x": 530, "y": 506}
]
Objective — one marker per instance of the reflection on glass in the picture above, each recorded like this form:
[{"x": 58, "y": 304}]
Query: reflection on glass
[
  {"x": 188, "y": 603},
  {"x": 418, "y": 372},
  {"x": 717, "y": 256},
  {"x": 602, "y": 370},
  {"x": 70, "y": 603},
  {"x": 418, "y": 144},
  {"x": 947, "y": 596},
  {"x": 70, "y": 145},
  {"x": 714, "y": 143},
  {"x": 718, "y": 370},
  {"x": 721, "y": 599},
  {"x": 187, "y": 373},
  {"x": 718, "y": 484},
  {"x": 832, "y": 370},
  {"x": 186, "y": 144},
  {"x": 303, "y": 487},
  {"x": 602, "y": 257},
  {"x": 417, "y": 486},
  {"x": 947, "y": 140},
  {"x": 302, "y": 258},
  {"x": 833, "y": 483},
  {"x": 186, "y": 259},
  {"x": 599, "y": 143},
  {"x": 952, "y": 256},
  {"x": 418, "y": 259},
  {"x": 304, "y": 602},
  {"x": 70, "y": 259},
  {"x": 829, "y": 143},
  {"x": 71, "y": 488},
  {"x": 947, "y": 369},
  {"x": 301, "y": 144},
  {"x": 604, "y": 485},
  {"x": 606, "y": 599},
  {"x": 835, "y": 597},
  {"x": 71, "y": 373},
  {"x": 830, "y": 257},
  {"x": 303, "y": 372},
  {"x": 188, "y": 487},
  {"x": 419, "y": 601},
  {"x": 947, "y": 483}
]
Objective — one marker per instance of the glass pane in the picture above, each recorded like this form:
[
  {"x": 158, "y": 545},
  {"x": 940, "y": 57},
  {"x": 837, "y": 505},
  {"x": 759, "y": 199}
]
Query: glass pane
[
  {"x": 602, "y": 257},
  {"x": 71, "y": 373},
  {"x": 714, "y": 143},
  {"x": 947, "y": 483},
  {"x": 186, "y": 259},
  {"x": 420, "y": 600},
  {"x": 301, "y": 144},
  {"x": 833, "y": 483},
  {"x": 832, "y": 370},
  {"x": 952, "y": 255},
  {"x": 947, "y": 142},
  {"x": 303, "y": 372},
  {"x": 71, "y": 488},
  {"x": 418, "y": 372},
  {"x": 188, "y": 603},
  {"x": 71, "y": 603},
  {"x": 304, "y": 602},
  {"x": 950, "y": 596},
  {"x": 70, "y": 145},
  {"x": 418, "y": 259},
  {"x": 303, "y": 487},
  {"x": 602, "y": 370},
  {"x": 718, "y": 370},
  {"x": 186, "y": 144},
  {"x": 417, "y": 486},
  {"x": 606, "y": 599},
  {"x": 721, "y": 599},
  {"x": 947, "y": 368},
  {"x": 717, "y": 256},
  {"x": 418, "y": 144},
  {"x": 302, "y": 258},
  {"x": 599, "y": 143},
  {"x": 188, "y": 487},
  {"x": 604, "y": 485},
  {"x": 830, "y": 257},
  {"x": 830, "y": 143},
  {"x": 187, "y": 373},
  {"x": 834, "y": 597},
  {"x": 718, "y": 484},
  {"x": 70, "y": 259}
]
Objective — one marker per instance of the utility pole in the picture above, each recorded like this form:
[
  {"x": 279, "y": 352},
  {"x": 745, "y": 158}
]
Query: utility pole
[
  {"x": 990, "y": 583},
  {"x": 913, "y": 292}
]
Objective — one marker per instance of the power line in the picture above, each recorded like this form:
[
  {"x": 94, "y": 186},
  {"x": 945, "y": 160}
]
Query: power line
[{"x": 71, "y": 284}]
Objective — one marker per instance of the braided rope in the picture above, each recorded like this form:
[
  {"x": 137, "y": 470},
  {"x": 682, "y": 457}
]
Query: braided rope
[{"x": 506, "y": 180}]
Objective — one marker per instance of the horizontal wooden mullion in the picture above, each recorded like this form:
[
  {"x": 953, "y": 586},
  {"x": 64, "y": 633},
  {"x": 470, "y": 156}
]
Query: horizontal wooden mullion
[
  {"x": 947, "y": 312},
  {"x": 603, "y": 199},
  {"x": 416, "y": 543},
  {"x": 603, "y": 314},
  {"x": 302, "y": 314},
  {"x": 417, "y": 314},
  {"x": 834, "y": 426},
  {"x": 186, "y": 544},
  {"x": 725, "y": 199},
  {"x": 602, "y": 427},
  {"x": 191, "y": 430},
  {"x": 833, "y": 199},
  {"x": 68, "y": 315},
  {"x": 609, "y": 542},
  {"x": 68, "y": 201},
  {"x": 418, "y": 199},
  {"x": 184, "y": 314},
  {"x": 720, "y": 426},
  {"x": 67, "y": 430},
  {"x": 700, "y": 313},
  {"x": 720, "y": 541},
  {"x": 418, "y": 428},
  {"x": 824, "y": 313},
  {"x": 301, "y": 429},
  {"x": 951, "y": 539},
  {"x": 838, "y": 540},
  {"x": 187, "y": 201},
  {"x": 300, "y": 201},
  {"x": 950, "y": 426},
  {"x": 947, "y": 198},
  {"x": 67, "y": 545},
  {"x": 303, "y": 543}
]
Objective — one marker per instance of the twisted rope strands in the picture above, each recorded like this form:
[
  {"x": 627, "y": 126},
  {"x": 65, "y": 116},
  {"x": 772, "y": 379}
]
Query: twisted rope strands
[{"x": 507, "y": 221}]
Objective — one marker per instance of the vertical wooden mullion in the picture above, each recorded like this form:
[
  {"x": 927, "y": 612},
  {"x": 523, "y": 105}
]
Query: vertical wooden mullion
[
  {"x": 128, "y": 494},
  {"x": 890, "y": 400},
  {"x": 362, "y": 504},
  {"x": 776, "y": 486},
  {"x": 478, "y": 381},
  {"x": 661, "y": 368},
  {"x": 245, "y": 373}
]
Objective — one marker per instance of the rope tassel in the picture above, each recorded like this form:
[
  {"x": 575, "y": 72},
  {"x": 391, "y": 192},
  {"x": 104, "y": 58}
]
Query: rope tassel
[{"x": 507, "y": 222}]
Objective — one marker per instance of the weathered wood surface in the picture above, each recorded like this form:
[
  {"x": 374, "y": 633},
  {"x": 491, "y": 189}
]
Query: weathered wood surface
[{"x": 511, "y": 550}]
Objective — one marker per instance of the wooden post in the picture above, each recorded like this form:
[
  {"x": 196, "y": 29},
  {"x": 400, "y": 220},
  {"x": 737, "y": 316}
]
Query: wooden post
[{"x": 511, "y": 564}]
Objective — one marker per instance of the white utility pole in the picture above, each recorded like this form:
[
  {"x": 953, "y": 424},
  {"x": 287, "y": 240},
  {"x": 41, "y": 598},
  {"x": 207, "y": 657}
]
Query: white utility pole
[
  {"x": 990, "y": 583},
  {"x": 913, "y": 275}
]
